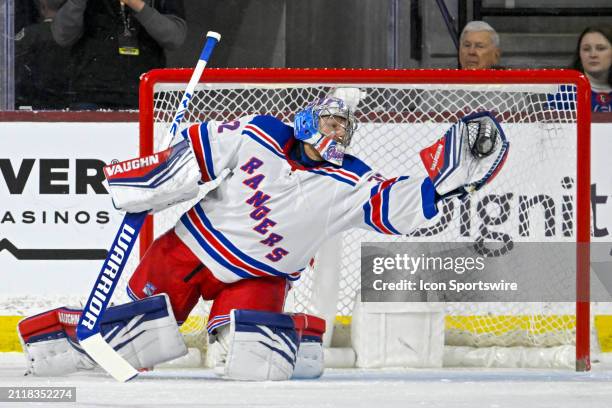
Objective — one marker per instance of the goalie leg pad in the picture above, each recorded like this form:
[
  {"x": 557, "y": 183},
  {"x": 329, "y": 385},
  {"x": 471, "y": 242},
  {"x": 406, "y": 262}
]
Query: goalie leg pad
[
  {"x": 145, "y": 333},
  {"x": 257, "y": 346},
  {"x": 468, "y": 156},
  {"x": 50, "y": 345},
  {"x": 309, "y": 363}
]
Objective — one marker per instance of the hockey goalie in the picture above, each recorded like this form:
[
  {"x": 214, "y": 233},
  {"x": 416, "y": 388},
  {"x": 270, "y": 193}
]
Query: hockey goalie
[{"x": 288, "y": 190}]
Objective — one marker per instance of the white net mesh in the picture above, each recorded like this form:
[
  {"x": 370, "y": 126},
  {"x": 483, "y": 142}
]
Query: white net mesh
[{"x": 531, "y": 200}]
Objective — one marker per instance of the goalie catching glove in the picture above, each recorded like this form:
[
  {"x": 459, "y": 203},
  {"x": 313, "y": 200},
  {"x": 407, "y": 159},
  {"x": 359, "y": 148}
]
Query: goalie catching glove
[{"x": 468, "y": 156}]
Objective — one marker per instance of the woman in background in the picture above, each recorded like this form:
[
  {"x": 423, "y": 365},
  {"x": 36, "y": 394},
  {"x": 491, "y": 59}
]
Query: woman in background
[{"x": 593, "y": 56}]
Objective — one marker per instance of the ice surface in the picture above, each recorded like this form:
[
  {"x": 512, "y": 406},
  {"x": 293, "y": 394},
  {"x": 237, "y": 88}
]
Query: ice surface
[{"x": 350, "y": 388}]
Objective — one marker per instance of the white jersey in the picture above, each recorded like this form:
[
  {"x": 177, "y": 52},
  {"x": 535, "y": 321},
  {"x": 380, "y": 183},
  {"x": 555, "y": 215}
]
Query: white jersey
[{"x": 270, "y": 214}]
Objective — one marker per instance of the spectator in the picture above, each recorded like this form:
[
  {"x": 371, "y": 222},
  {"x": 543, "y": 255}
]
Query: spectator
[
  {"x": 114, "y": 42},
  {"x": 593, "y": 56},
  {"x": 478, "y": 46},
  {"x": 41, "y": 81}
]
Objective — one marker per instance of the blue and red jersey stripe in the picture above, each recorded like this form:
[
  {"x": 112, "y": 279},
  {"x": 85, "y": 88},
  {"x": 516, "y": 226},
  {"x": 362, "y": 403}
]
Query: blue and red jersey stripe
[
  {"x": 263, "y": 138},
  {"x": 198, "y": 134},
  {"x": 224, "y": 252},
  {"x": 217, "y": 321},
  {"x": 376, "y": 209},
  {"x": 269, "y": 142}
]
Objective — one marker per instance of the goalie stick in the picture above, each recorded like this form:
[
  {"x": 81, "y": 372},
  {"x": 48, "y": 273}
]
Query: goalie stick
[{"x": 88, "y": 329}]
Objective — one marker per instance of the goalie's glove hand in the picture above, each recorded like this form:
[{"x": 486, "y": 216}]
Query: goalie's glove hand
[{"x": 467, "y": 157}]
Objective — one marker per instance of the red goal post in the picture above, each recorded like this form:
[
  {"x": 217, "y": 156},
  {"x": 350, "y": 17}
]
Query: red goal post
[{"x": 391, "y": 78}]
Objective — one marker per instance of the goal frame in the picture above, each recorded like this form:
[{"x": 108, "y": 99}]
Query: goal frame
[{"x": 419, "y": 76}]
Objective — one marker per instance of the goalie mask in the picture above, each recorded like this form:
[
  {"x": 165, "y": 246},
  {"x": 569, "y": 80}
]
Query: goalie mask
[{"x": 328, "y": 125}]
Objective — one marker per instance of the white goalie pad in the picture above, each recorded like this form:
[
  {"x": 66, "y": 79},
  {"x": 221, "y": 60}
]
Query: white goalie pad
[
  {"x": 155, "y": 182},
  {"x": 310, "y": 361},
  {"x": 55, "y": 357},
  {"x": 468, "y": 156},
  {"x": 145, "y": 333},
  {"x": 256, "y": 346}
]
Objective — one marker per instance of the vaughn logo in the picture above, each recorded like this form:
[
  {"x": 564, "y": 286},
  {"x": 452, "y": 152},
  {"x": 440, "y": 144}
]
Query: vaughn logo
[
  {"x": 113, "y": 265},
  {"x": 129, "y": 165},
  {"x": 69, "y": 318},
  {"x": 436, "y": 158},
  {"x": 430, "y": 156}
]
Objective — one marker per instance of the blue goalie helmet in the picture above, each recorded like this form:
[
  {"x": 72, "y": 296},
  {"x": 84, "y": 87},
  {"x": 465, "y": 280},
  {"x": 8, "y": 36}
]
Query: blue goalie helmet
[{"x": 328, "y": 124}]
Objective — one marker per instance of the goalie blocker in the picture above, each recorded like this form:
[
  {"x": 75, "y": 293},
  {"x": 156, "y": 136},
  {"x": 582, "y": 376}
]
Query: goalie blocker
[{"x": 154, "y": 182}]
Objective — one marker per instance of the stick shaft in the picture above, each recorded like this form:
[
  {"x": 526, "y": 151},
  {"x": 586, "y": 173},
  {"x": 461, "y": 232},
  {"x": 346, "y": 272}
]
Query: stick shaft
[
  {"x": 88, "y": 329},
  {"x": 212, "y": 39}
]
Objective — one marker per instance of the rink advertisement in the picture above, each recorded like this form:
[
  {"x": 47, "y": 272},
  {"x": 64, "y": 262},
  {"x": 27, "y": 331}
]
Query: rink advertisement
[{"x": 57, "y": 219}]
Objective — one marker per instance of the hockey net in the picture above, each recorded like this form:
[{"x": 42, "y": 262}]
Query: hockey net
[{"x": 399, "y": 113}]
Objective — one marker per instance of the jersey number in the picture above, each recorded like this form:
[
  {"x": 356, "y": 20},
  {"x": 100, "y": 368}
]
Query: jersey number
[{"x": 229, "y": 126}]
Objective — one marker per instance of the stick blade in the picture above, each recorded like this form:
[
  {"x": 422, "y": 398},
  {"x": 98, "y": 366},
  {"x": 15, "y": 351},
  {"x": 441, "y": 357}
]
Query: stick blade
[{"x": 108, "y": 358}]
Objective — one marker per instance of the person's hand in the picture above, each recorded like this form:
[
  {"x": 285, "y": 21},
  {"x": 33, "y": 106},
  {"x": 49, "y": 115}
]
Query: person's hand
[{"x": 135, "y": 5}]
